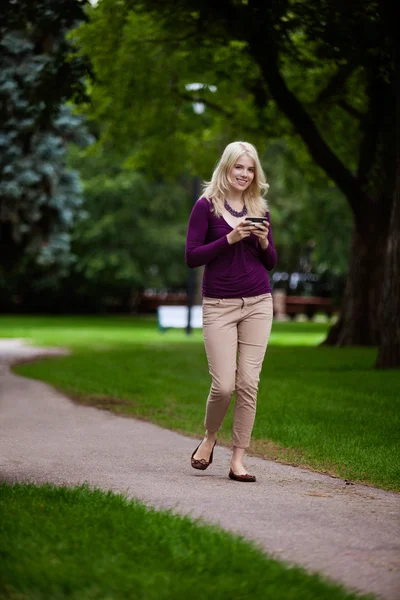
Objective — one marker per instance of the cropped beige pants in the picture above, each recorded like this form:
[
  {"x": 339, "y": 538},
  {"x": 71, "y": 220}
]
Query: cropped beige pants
[{"x": 236, "y": 333}]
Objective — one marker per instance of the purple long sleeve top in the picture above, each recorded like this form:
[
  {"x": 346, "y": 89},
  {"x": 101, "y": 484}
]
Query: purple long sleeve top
[{"x": 231, "y": 270}]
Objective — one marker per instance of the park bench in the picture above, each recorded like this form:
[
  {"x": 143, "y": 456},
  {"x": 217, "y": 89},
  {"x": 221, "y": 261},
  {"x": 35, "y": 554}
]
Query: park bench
[
  {"x": 309, "y": 305},
  {"x": 177, "y": 317},
  {"x": 149, "y": 301}
]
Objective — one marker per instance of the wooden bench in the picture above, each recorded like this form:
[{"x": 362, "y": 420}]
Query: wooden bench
[
  {"x": 309, "y": 305},
  {"x": 149, "y": 301},
  {"x": 177, "y": 317}
]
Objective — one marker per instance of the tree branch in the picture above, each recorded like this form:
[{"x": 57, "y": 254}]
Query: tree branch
[
  {"x": 372, "y": 125},
  {"x": 173, "y": 40},
  {"x": 217, "y": 108},
  {"x": 208, "y": 103},
  {"x": 351, "y": 110},
  {"x": 266, "y": 57},
  {"x": 336, "y": 83}
]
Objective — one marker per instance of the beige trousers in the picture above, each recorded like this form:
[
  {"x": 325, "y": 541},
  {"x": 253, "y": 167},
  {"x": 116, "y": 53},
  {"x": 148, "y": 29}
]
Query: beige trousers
[{"x": 236, "y": 333}]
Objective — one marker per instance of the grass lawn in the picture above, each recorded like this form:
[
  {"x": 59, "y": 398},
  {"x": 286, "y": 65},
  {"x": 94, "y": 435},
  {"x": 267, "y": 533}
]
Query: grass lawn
[
  {"x": 326, "y": 408},
  {"x": 82, "y": 544}
]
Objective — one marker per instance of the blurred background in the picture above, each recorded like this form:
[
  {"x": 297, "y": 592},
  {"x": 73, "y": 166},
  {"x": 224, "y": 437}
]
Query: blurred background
[{"x": 113, "y": 113}]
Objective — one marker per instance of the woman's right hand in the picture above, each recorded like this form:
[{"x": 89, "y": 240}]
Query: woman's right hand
[{"x": 240, "y": 232}]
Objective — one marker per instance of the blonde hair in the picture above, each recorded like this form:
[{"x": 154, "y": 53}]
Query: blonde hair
[{"x": 217, "y": 189}]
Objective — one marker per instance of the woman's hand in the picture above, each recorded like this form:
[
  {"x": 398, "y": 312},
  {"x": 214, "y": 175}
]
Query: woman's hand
[
  {"x": 261, "y": 231},
  {"x": 240, "y": 232}
]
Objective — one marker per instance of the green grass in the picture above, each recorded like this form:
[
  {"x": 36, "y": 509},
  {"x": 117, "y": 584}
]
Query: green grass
[
  {"x": 325, "y": 408},
  {"x": 102, "y": 332},
  {"x": 83, "y": 544}
]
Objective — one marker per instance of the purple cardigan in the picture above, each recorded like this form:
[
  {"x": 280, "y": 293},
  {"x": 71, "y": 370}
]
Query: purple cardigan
[{"x": 231, "y": 271}]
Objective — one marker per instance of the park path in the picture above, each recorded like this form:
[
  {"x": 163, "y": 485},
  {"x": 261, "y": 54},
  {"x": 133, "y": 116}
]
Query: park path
[{"x": 349, "y": 533}]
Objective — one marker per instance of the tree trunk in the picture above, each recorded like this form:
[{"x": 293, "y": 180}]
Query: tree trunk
[
  {"x": 363, "y": 302},
  {"x": 358, "y": 323},
  {"x": 389, "y": 349}
]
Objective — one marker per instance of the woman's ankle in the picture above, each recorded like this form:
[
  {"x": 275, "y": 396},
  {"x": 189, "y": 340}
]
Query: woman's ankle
[
  {"x": 237, "y": 458},
  {"x": 211, "y": 436}
]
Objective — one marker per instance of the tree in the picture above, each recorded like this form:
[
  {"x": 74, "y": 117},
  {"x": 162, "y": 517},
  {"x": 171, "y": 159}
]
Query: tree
[
  {"x": 134, "y": 234},
  {"x": 324, "y": 64},
  {"x": 368, "y": 188},
  {"x": 40, "y": 198},
  {"x": 389, "y": 348}
]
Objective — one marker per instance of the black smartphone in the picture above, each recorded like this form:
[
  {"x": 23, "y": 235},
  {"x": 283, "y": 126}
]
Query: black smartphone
[{"x": 255, "y": 220}]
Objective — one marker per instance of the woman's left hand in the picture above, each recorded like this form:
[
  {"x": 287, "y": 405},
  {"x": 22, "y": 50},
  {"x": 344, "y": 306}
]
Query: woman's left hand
[{"x": 261, "y": 231}]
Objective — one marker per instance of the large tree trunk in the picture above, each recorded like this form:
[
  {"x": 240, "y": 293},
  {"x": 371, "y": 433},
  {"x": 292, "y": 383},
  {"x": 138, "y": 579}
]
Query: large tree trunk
[
  {"x": 389, "y": 348},
  {"x": 358, "y": 323},
  {"x": 371, "y": 304}
]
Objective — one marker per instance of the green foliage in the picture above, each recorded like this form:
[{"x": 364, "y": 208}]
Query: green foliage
[
  {"x": 40, "y": 198},
  {"x": 134, "y": 233},
  {"x": 131, "y": 236},
  {"x": 310, "y": 217},
  {"x": 145, "y": 96}
]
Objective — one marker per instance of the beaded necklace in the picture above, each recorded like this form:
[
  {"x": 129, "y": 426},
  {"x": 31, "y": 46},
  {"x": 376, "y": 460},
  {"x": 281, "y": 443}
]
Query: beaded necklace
[{"x": 233, "y": 212}]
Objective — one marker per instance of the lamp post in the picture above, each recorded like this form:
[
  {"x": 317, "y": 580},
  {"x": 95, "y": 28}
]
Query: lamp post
[{"x": 191, "y": 280}]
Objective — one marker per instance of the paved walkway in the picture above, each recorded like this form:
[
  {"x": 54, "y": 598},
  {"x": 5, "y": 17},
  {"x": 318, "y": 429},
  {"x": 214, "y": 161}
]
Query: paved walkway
[{"x": 350, "y": 533}]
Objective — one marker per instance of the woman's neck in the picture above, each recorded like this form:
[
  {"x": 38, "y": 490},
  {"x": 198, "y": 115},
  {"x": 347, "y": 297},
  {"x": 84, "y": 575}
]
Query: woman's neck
[{"x": 235, "y": 198}]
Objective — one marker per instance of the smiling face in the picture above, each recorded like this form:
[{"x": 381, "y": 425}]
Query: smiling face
[{"x": 242, "y": 173}]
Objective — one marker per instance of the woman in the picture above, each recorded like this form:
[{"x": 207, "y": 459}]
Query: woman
[{"x": 237, "y": 301}]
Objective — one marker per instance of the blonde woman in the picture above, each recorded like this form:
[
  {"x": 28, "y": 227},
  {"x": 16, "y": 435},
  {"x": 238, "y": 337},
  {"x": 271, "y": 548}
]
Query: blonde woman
[{"x": 237, "y": 304}]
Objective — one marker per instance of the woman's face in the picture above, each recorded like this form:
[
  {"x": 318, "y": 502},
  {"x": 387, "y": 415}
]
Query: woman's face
[{"x": 242, "y": 173}]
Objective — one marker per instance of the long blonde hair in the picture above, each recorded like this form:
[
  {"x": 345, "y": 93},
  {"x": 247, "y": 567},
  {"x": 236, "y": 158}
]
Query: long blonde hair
[{"x": 217, "y": 189}]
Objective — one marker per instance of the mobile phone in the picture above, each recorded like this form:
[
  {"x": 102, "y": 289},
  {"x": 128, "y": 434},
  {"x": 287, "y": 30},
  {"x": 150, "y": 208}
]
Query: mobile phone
[{"x": 255, "y": 220}]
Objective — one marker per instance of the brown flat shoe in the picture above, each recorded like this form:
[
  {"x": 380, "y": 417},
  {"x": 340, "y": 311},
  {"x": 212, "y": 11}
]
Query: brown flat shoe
[
  {"x": 202, "y": 464},
  {"x": 246, "y": 478}
]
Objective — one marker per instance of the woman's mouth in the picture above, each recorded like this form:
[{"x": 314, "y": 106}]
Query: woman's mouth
[{"x": 242, "y": 181}]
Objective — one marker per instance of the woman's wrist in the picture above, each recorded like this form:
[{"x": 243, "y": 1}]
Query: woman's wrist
[{"x": 264, "y": 244}]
